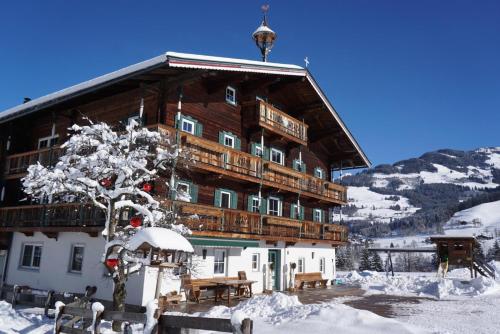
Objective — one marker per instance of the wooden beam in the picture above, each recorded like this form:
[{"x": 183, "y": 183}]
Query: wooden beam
[
  {"x": 284, "y": 83},
  {"x": 213, "y": 85},
  {"x": 259, "y": 83}
]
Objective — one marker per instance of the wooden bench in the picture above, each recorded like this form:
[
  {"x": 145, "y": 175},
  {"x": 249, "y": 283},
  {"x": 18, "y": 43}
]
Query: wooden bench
[{"x": 309, "y": 279}]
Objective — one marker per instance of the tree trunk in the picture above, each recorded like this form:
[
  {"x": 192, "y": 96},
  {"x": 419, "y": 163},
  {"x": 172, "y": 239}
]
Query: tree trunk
[{"x": 119, "y": 295}]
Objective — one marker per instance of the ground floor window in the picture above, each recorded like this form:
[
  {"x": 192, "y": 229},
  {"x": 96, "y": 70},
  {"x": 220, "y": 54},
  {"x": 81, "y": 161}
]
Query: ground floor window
[
  {"x": 255, "y": 262},
  {"x": 322, "y": 263},
  {"x": 76, "y": 263},
  {"x": 219, "y": 261},
  {"x": 31, "y": 256},
  {"x": 301, "y": 265}
]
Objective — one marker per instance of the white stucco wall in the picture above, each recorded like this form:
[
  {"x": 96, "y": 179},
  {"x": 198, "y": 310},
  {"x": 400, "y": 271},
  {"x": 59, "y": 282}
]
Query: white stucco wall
[{"x": 54, "y": 266}]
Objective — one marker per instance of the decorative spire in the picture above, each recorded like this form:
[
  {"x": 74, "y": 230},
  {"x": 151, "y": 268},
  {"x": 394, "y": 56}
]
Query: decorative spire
[{"x": 264, "y": 36}]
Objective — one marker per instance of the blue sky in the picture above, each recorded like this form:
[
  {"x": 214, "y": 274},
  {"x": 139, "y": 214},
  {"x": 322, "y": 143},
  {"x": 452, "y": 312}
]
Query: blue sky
[{"x": 406, "y": 76}]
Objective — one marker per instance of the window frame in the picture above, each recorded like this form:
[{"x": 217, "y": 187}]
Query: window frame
[
  {"x": 232, "y": 101},
  {"x": 188, "y": 121},
  {"x": 183, "y": 183},
  {"x": 315, "y": 211},
  {"x": 48, "y": 139},
  {"x": 280, "y": 206},
  {"x": 231, "y": 137},
  {"x": 301, "y": 265},
  {"x": 322, "y": 265},
  {"x": 255, "y": 261},
  {"x": 319, "y": 171},
  {"x": 217, "y": 263},
  {"x": 32, "y": 255},
  {"x": 71, "y": 258},
  {"x": 256, "y": 198},
  {"x": 282, "y": 153},
  {"x": 225, "y": 192}
]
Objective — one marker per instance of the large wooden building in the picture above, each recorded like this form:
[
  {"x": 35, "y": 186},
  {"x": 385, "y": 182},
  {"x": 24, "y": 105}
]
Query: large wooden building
[{"x": 265, "y": 141}]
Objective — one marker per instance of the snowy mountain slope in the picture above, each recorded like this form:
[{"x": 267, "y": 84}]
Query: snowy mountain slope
[
  {"x": 421, "y": 192},
  {"x": 481, "y": 219}
]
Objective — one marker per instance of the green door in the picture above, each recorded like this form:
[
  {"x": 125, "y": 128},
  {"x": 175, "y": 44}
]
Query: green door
[{"x": 274, "y": 257}]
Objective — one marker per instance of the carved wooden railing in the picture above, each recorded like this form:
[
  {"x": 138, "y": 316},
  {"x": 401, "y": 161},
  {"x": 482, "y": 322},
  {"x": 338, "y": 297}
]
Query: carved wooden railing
[
  {"x": 19, "y": 163},
  {"x": 201, "y": 219},
  {"x": 277, "y": 121}
]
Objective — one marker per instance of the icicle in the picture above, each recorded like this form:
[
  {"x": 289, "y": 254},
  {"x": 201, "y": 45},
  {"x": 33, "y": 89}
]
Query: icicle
[{"x": 141, "y": 108}]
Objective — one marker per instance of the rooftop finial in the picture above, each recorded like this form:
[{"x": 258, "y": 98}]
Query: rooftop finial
[{"x": 264, "y": 37}]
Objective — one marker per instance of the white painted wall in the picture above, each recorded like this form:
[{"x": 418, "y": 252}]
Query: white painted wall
[{"x": 54, "y": 266}]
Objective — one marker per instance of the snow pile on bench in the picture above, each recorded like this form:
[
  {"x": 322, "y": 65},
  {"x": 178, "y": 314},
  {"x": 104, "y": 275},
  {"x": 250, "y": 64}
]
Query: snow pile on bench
[
  {"x": 280, "y": 313},
  {"x": 458, "y": 283}
]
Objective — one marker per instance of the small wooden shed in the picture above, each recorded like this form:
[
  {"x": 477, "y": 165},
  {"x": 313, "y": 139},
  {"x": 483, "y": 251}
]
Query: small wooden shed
[{"x": 459, "y": 249}]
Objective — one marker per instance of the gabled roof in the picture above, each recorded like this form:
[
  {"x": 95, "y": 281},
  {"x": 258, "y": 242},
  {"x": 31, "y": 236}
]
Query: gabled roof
[{"x": 177, "y": 60}]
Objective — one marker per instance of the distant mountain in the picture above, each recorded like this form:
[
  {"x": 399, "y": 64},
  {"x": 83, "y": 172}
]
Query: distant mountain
[{"x": 420, "y": 194}]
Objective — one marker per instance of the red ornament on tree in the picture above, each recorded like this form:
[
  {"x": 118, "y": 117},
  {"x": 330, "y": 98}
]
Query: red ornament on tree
[
  {"x": 111, "y": 263},
  {"x": 147, "y": 187},
  {"x": 136, "y": 221},
  {"x": 106, "y": 183}
]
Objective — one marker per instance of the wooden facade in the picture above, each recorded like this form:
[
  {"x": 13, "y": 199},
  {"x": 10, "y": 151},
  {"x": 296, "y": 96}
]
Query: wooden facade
[{"x": 285, "y": 112}]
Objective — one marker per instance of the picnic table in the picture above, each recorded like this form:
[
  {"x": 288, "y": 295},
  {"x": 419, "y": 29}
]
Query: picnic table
[{"x": 227, "y": 284}]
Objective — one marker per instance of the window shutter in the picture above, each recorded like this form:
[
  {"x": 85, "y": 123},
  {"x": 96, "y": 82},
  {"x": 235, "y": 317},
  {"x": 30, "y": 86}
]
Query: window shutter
[
  {"x": 330, "y": 214},
  {"x": 234, "y": 200},
  {"x": 198, "y": 129},
  {"x": 263, "y": 206},
  {"x": 176, "y": 121},
  {"x": 217, "y": 198},
  {"x": 193, "y": 192},
  {"x": 237, "y": 143},
  {"x": 267, "y": 153},
  {"x": 221, "y": 137},
  {"x": 252, "y": 148},
  {"x": 293, "y": 210},
  {"x": 249, "y": 202},
  {"x": 295, "y": 164},
  {"x": 301, "y": 212},
  {"x": 303, "y": 167}
]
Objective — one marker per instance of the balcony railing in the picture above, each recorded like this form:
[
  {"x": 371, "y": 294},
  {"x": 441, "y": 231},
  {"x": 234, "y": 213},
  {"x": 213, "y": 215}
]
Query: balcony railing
[
  {"x": 18, "y": 163},
  {"x": 281, "y": 123},
  {"x": 214, "y": 157},
  {"x": 201, "y": 219}
]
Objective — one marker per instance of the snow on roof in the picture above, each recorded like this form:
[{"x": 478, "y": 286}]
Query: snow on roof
[
  {"x": 262, "y": 28},
  {"x": 158, "y": 237}
]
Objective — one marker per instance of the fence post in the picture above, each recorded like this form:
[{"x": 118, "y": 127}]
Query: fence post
[{"x": 246, "y": 326}]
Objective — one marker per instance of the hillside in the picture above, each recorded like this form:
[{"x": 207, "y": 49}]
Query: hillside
[{"x": 421, "y": 194}]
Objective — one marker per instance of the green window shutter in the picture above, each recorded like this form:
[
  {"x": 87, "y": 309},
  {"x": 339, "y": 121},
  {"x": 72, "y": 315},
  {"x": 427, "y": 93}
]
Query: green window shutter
[
  {"x": 221, "y": 137},
  {"x": 301, "y": 212},
  {"x": 234, "y": 200},
  {"x": 303, "y": 168},
  {"x": 330, "y": 213},
  {"x": 263, "y": 206},
  {"x": 253, "y": 148},
  {"x": 295, "y": 164},
  {"x": 193, "y": 192},
  {"x": 198, "y": 129},
  {"x": 237, "y": 143},
  {"x": 293, "y": 210},
  {"x": 267, "y": 153},
  {"x": 249, "y": 202},
  {"x": 217, "y": 198}
]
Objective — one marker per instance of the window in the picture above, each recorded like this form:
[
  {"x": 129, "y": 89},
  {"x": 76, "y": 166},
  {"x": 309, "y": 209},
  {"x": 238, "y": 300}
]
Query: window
[
  {"x": 277, "y": 156},
  {"x": 219, "y": 261},
  {"x": 255, "y": 262},
  {"x": 319, "y": 173},
  {"x": 255, "y": 204},
  {"x": 76, "y": 259},
  {"x": 274, "y": 206},
  {"x": 296, "y": 212},
  {"x": 299, "y": 165},
  {"x": 47, "y": 142},
  {"x": 31, "y": 256},
  {"x": 187, "y": 126},
  {"x": 301, "y": 265},
  {"x": 231, "y": 95},
  {"x": 318, "y": 215},
  {"x": 183, "y": 192},
  {"x": 225, "y": 199},
  {"x": 322, "y": 263},
  {"x": 228, "y": 140}
]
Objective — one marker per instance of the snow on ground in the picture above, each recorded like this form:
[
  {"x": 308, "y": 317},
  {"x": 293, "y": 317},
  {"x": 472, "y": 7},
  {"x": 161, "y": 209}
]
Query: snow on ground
[
  {"x": 457, "y": 283},
  {"x": 381, "y": 208},
  {"x": 280, "y": 313},
  {"x": 488, "y": 214}
]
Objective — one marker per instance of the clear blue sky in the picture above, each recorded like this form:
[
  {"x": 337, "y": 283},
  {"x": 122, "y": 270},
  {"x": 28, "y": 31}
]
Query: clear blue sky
[{"x": 406, "y": 76}]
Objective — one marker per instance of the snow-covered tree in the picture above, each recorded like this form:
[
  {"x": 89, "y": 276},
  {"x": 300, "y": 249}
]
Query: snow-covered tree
[
  {"x": 365, "y": 260},
  {"x": 376, "y": 262},
  {"x": 115, "y": 172}
]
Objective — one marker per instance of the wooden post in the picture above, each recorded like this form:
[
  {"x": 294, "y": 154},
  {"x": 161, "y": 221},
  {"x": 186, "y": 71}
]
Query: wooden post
[{"x": 246, "y": 326}]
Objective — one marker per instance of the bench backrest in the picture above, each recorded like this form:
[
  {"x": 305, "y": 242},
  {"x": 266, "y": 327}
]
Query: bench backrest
[
  {"x": 242, "y": 275},
  {"x": 308, "y": 276}
]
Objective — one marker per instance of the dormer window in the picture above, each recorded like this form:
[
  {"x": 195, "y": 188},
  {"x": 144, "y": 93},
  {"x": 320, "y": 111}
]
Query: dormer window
[{"x": 231, "y": 95}]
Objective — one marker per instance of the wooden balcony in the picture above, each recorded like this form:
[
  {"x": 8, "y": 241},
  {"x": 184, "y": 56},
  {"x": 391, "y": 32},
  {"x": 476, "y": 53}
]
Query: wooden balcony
[
  {"x": 203, "y": 220},
  {"x": 214, "y": 157},
  {"x": 277, "y": 121},
  {"x": 16, "y": 165}
]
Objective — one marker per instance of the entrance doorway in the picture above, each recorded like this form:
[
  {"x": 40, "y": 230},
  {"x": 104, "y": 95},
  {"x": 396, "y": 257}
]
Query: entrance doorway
[{"x": 274, "y": 261}]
